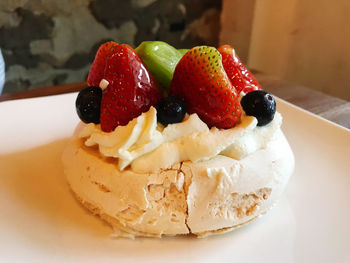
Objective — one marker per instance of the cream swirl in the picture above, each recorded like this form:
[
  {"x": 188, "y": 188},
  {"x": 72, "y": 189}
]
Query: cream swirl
[{"x": 147, "y": 146}]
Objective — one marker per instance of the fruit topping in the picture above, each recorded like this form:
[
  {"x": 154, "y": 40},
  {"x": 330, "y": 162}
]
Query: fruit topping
[
  {"x": 170, "y": 110},
  {"x": 261, "y": 105},
  {"x": 131, "y": 89},
  {"x": 160, "y": 59},
  {"x": 88, "y": 104},
  {"x": 97, "y": 69},
  {"x": 201, "y": 80},
  {"x": 241, "y": 78},
  {"x": 183, "y": 51}
]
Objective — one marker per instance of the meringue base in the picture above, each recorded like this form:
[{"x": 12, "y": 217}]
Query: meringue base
[{"x": 203, "y": 198}]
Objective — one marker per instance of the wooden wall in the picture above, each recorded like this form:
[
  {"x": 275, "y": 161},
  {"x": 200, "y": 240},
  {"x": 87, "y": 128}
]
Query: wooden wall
[{"x": 302, "y": 41}]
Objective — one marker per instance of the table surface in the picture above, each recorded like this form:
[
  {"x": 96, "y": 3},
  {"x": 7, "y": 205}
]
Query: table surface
[{"x": 328, "y": 107}]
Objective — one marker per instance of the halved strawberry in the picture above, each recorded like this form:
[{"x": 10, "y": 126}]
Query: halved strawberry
[
  {"x": 241, "y": 78},
  {"x": 201, "y": 80},
  {"x": 97, "y": 69},
  {"x": 131, "y": 89}
]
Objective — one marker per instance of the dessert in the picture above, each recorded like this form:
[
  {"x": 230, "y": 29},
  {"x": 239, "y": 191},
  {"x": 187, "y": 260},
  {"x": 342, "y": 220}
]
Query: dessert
[{"x": 175, "y": 141}]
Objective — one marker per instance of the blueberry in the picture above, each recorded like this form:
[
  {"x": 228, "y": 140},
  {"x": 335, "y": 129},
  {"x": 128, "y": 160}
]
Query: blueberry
[
  {"x": 261, "y": 105},
  {"x": 171, "y": 110},
  {"x": 88, "y": 104}
]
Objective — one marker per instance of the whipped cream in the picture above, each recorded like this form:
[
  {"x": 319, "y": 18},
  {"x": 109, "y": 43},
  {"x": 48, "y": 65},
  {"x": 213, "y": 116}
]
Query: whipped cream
[{"x": 147, "y": 146}]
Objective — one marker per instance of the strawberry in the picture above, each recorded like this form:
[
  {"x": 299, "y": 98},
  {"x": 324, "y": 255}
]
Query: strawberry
[
  {"x": 131, "y": 89},
  {"x": 201, "y": 80},
  {"x": 98, "y": 66},
  {"x": 241, "y": 78}
]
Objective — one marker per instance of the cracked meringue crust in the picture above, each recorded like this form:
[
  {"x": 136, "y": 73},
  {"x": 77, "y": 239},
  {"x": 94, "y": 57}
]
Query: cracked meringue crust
[{"x": 207, "y": 197}]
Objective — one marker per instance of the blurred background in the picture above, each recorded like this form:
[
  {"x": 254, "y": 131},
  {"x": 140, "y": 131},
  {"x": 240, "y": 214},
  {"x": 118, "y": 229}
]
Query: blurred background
[{"x": 50, "y": 42}]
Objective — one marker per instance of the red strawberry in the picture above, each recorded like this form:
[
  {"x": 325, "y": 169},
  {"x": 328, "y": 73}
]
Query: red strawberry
[
  {"x": 201, "y": 80},
  {"x": 97, "y": 69},
  {"x": 131, "y": 90},
  {"x": 241, "y": 78}
]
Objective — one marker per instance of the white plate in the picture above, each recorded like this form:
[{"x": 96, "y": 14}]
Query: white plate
[{"x": 40, "y": 221}]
